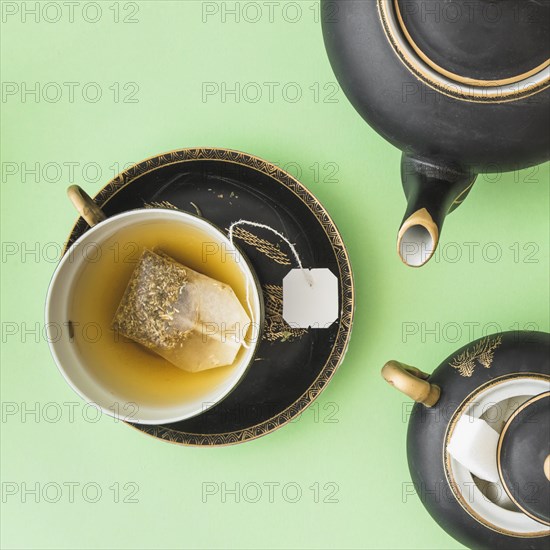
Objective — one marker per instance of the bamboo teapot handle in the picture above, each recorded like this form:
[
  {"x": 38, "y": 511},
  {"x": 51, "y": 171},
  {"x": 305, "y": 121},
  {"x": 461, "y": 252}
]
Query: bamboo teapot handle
[{"x": 412, "y": 382}]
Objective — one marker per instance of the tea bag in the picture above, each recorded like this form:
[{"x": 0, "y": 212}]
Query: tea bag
[{"x": 192, "y": 320}]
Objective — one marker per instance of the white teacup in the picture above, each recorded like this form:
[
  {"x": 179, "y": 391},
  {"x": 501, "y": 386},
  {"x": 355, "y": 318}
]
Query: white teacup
[{"x": 72, "y": 363}]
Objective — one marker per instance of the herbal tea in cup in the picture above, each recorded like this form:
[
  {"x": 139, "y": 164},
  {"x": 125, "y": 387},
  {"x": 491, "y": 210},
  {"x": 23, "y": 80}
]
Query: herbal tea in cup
[{"x": 120, "y": 374}]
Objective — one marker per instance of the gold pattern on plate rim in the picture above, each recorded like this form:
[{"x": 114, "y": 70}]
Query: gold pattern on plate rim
[
  {"x": 414, "y": 65},
  {"x": 447, "y": 457},
  {"x": 499, "y": 448},
  {"x": 347, "y": 293},
  {"x": 482, "y": 352}
]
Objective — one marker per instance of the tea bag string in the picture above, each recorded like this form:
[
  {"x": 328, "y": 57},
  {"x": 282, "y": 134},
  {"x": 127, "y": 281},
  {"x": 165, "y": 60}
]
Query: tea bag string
[{"x": 306, "y": 273}]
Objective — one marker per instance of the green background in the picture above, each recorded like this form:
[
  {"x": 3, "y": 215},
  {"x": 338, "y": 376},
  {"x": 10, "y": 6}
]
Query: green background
[{"x": 169, "y": 52}]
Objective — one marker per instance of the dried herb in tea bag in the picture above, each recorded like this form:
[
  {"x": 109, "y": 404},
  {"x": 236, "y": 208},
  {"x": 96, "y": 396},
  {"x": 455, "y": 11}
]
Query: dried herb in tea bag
[{"x": 192, "y": 320}]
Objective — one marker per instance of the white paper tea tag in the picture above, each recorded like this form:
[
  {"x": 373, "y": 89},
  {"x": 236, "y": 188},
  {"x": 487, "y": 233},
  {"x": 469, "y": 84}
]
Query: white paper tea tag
[
  {"x": 312, "y": 300},
  {"x": 474, "y": 444}
]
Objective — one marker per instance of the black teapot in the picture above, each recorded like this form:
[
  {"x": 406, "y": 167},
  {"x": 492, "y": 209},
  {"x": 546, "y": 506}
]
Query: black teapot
[
  {"x": 478, "y": 441},
  {"x": 460, "y": 86}
]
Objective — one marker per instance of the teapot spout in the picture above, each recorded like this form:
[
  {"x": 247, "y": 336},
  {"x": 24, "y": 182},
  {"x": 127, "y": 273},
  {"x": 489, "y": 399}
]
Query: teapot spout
[{"x": 432, "y": 192}]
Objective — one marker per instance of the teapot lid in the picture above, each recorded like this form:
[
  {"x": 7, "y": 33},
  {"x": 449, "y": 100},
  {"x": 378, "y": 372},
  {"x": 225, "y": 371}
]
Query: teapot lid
[
  {"x": 523, "y": 457},
  {"x": 481, "y": 42}
]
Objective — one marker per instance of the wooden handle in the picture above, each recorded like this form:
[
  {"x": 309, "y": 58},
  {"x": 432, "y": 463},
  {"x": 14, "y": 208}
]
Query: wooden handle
[
  {"x": 412, "y": 382},
  {"x": 85, "y": 205}
]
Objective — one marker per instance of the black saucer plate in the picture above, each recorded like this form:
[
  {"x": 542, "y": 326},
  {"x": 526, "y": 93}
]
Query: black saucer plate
[{"x": 291, "y": 366}]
